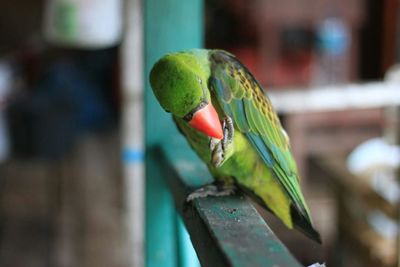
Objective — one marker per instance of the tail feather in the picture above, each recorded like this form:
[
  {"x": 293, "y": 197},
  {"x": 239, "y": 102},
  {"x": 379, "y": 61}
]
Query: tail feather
[
  {"x": 301, "y": 221},
  {"x": 303, "y": 224}
]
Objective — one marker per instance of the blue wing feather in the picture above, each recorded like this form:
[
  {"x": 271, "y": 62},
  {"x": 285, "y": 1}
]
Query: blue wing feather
[{"x": 268, "y": 140}]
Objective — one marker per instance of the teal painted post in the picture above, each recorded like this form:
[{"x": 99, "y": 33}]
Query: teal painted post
[
  {"x": 187, "y": 254},
  {"x": 170, "y": 25}
]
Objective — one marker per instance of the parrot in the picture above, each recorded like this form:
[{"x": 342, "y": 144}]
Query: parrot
[{"x": 228, "y": 120}]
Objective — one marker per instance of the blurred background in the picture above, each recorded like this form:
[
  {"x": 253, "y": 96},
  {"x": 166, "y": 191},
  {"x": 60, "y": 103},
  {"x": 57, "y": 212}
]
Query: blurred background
[{"x": 78, "y": 183}]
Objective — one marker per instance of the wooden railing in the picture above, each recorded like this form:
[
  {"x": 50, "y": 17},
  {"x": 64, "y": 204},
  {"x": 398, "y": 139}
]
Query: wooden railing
[{"x": 225, "y": 231}]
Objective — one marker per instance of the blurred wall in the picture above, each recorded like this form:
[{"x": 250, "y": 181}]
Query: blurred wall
[{"x": 20, "y": 20}]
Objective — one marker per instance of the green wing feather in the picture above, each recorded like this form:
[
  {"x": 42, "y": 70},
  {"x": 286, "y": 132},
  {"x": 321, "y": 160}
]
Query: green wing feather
[{"x": 242, "y": 98}]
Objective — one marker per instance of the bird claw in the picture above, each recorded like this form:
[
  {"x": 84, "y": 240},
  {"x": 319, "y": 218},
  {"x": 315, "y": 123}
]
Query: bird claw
[
  {"x": 219, "y": 147},
  {"x": 217, "y": 155},
  {"x": 213, "y": 143},
  {"x": 227, "y": 126}
]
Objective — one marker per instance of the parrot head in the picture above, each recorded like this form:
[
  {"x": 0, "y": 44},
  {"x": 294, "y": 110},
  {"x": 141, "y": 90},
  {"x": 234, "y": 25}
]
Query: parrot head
[{"x": 179, "y": 82}]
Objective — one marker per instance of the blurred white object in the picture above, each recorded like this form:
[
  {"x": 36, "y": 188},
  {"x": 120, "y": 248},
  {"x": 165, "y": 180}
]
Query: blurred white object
[
  {"x": 83, "y": 24},
  {"x": 6, "y": 80},
  {"x": 393, "y": 74},
  {"x": 377, "y": 160},
  {"x": 374, "y": 152},
  {"x": 317, "y": 265},
  {"x": 336, "y": 97},
  {"x": 383, "y": 224}
]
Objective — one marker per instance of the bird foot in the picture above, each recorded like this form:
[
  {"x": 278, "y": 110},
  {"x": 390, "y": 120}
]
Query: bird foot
[
  {"x": 222, "y": 149},
  {"x": 212, "y": 190}
]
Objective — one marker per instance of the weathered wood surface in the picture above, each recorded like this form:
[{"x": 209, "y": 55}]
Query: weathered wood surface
[
  {"x": 336, "y": 172},
  {"x": 225, "y": 231},
  {"x": 356, "y": 199}
]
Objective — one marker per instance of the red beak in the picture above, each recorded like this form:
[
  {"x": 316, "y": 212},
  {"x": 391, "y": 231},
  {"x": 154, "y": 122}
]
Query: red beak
[{"x": 206, "y": 121}]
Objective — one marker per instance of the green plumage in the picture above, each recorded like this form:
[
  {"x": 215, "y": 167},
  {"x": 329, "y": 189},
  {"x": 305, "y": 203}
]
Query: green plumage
[{"x": 261, "y": 162}]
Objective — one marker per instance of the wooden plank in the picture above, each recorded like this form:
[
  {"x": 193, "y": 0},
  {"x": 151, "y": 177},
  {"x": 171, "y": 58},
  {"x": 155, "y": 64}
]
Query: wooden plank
[
  {"x": 337, "y": 97},
  {"x": 390, "y": 26},
  {"x": 225, "y": 231},
  {"x": 356, "y": 198},
  {"x": 335, "y": 171}
]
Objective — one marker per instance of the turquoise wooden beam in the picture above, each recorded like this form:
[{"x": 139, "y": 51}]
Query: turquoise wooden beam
[
  {"x": 169, "y": 25},
  {"x": 225, "y": 231}
]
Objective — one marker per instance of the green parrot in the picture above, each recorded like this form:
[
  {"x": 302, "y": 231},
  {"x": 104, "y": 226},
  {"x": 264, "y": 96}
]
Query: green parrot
[{"x": 222, "y": 111}]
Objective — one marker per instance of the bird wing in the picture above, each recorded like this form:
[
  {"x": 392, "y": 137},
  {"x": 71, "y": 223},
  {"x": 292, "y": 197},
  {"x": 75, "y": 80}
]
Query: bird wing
[{"x": 242, "y": 98}]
